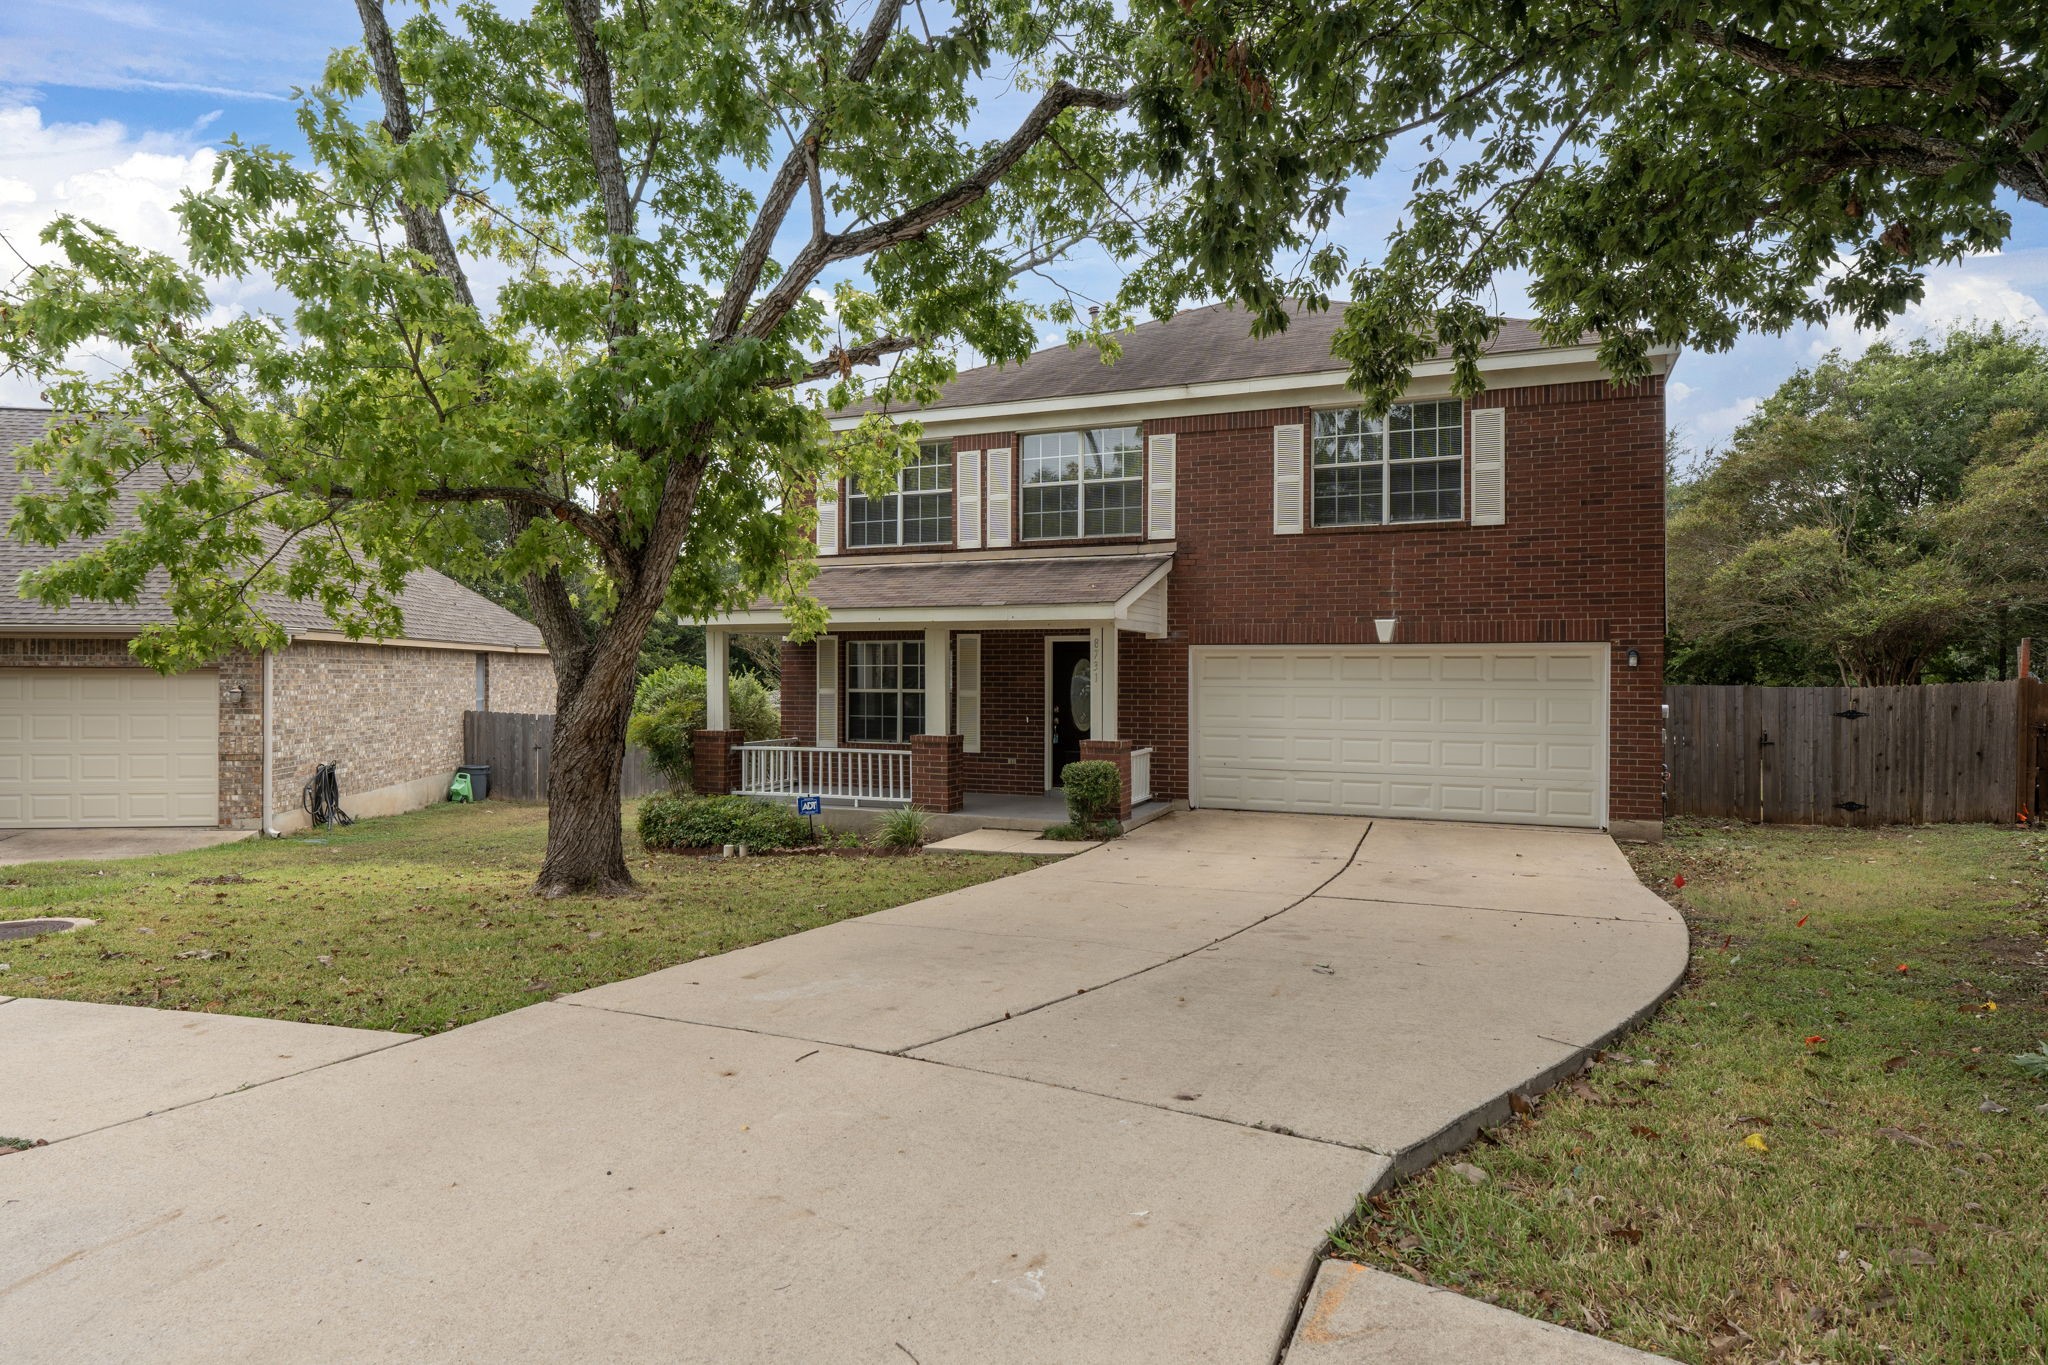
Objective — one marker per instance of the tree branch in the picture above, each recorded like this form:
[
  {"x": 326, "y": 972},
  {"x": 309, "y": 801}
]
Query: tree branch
[
  {"x": 789, "y": 178},
  {"x": 601, "y": 118},
  {"x": 821, "y": 252},
  {"x": 425, "y": 232},
  {"x": 844, "y": 358}
]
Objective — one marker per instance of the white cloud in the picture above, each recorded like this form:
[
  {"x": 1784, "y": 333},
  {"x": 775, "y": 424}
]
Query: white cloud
[
  {"x": 125, "y": 181},
  {"x": 1996, "y": 287},
  {"x": 1677, "y": 391}
]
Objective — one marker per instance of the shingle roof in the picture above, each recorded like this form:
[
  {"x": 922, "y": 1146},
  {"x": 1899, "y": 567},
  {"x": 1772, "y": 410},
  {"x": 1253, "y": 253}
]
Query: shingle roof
[
  {"x": 1198, "y": 346},
  {"x": 436, "y": 608},
  {"x": 1050, "y": 582}
]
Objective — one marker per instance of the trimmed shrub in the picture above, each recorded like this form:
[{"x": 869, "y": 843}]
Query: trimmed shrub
[
  {"x": 1071, "y": 834},
  {"x": 713, "y": 821},
  {"x": 1094, "y": 790},
  {"x": 903, "y": 829},
  {"x": 668, "y": 708}
]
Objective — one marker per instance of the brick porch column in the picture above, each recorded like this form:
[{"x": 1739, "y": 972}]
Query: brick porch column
[
  {"x": 1117, "y": 751},
  {"x": 938, "y": 773},
  {"x": 715, "y": 761}
]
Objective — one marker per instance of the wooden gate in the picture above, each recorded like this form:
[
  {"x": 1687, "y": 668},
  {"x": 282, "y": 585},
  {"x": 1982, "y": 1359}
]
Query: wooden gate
[{"x": 1952, "y": 752}]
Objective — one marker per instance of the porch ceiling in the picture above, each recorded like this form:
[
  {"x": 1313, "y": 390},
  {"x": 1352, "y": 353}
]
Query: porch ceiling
[{"x": 982, "y": 592}]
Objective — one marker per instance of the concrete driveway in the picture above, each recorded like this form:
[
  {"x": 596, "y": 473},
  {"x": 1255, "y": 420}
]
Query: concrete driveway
[
  {"x": 65, "y": 845},
  {"x": 1102, "y": 1111}
]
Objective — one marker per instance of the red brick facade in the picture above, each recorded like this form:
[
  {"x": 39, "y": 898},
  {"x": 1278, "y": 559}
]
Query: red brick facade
[
  {"x": 937, "y": 779},
  {"x": 1579, "y": 559},
  {"x": 715, "y": 761}
]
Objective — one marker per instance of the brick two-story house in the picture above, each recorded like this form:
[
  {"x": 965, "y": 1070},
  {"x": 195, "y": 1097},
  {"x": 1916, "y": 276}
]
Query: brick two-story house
[{"x": 1202, "y": 563}]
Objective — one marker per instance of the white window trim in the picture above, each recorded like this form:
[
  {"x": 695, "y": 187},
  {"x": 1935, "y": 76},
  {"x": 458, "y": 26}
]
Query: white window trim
[
  {"x": 941, "y": 455},
  {"x": 899, "y": 691},
  {"x": 1385, "y": 465},
  {"x": 1081, "y": 483}
]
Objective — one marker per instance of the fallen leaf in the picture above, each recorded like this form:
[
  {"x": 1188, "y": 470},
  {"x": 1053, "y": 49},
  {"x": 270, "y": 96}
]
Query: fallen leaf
[
  {"x": 1520, "y": 1103},
  {"x": 1643, "y": 1132},
  {"x": 1894, "y": 1063},
  {"x": 1911, "y": 1256},
  {"x": 1901, "y": 1135},
  {"x": 1802, "y": 921},
  {"x": 1467, "y": 1172},
  {"x": 1815, "y": 1039},
  {"x": 1626, "y": 1233},
  {"x": 1585, "y": 1092},
  {"x": 1755, "y": 1142}
]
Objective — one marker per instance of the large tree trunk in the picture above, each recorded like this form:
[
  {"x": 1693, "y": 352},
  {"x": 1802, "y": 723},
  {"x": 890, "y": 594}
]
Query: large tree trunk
[{"x": 586, "y": 843}]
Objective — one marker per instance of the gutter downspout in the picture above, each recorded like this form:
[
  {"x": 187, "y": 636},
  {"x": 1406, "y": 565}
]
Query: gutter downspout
[{"x": 263, "y": 822}]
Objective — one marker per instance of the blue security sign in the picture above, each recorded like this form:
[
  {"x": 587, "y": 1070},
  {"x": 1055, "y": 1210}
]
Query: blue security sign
[{"x": 810, "y": 805}]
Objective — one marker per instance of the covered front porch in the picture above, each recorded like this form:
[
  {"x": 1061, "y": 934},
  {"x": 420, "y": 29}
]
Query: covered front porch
[{"x": 962, "y": 688}]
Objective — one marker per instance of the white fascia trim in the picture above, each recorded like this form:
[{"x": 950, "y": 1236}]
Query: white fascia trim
[
  {"x": 1145, "y": 585},
  {"x": 957, "y": 618},
  {"x": 1314, "y": 387}
]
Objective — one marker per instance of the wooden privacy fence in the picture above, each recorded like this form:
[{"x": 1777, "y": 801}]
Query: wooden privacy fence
[
  {"x": 518, "y": 745},
  {"x": 1950, "y": 752}
]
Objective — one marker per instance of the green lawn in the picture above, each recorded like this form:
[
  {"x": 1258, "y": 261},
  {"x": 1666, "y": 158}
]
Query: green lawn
[
  {"x": 1894, "y": 1204},
  {"x": 417, "y": 922}
]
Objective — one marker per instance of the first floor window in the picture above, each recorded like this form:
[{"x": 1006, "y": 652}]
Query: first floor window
[
  {"x": 884, "y": 690},
  {"x": 1082, "y": 484},
  {"x": 1407, "y": 466},
  {"x": 918, "y": 512}
]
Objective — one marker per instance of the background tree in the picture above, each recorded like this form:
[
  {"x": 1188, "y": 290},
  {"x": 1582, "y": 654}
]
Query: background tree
[
  {"x": 579, "y": 268},
  {"x": 1876, "y": 522},
  {"x": 1660, "y": 172}
]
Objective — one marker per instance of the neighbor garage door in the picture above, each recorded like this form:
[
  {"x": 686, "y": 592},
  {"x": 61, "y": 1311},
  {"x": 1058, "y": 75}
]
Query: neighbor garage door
[
  {"x": 108, "y": 746},
  {"x": 1495, "y": 733}
]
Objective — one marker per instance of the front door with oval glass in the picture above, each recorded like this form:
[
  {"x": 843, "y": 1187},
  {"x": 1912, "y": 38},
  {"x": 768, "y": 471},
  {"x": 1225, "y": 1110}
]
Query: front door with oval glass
[{"x": 1072, "y": 710}]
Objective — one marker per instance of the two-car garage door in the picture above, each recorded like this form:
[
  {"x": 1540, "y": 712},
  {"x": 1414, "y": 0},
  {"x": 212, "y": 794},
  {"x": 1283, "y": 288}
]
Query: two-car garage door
[
  {"x": 1507, "y": 733},
  {"x": 108, "y": 746}
]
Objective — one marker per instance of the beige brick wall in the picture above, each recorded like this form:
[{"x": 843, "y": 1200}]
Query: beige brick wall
[
  {"x": 522, "y": 682},
  {"x": 241, "y": 738},
  {"x": 382, "y": 714}
]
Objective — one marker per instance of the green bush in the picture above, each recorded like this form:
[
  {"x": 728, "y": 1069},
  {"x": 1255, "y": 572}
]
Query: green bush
[
  {"x": 1071, "y": 834},
  {"x": 668, "y": 708},
  {"x": 903, "y": 829},
  {"x": 713, "y": 821},
  {"x": 1094, "y": 790}
]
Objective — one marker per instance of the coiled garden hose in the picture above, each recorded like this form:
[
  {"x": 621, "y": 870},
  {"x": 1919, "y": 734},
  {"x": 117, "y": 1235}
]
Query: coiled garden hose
[{"x": 322, "y": 798}]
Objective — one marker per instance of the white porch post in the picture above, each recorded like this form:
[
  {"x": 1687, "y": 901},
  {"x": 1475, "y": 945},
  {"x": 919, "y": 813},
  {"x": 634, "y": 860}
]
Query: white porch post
[
  {"x": 717, "y": 684},
  {"x": 1102, "y": 679},
  {"x": 938, "y": 685}
]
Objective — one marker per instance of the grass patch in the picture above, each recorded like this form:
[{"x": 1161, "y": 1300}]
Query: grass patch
[
  {"x": 1890, "y": 1207},
  {"x": 416, "y": 922}
]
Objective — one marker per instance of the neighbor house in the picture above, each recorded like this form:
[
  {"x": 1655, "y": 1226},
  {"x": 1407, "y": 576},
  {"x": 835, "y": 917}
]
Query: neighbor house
[
  {"x": 1205, "y": 564},
  {"x": 89, "y": 737}
]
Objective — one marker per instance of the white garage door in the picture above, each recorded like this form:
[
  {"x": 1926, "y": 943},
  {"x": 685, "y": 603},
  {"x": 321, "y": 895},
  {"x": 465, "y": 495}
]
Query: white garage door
[
  {"x": 108, "y": 746},
  {"x": 1495, "y": 733}
]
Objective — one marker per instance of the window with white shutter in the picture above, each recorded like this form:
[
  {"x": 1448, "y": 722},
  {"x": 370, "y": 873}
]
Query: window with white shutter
[
  {"x": 1287, "y": 501},
  {"x": 967, "y": 690},
  {"x": 967, "y": 497},
  {"x": 828, "y": 519},
  {"x": 828, "y": 692},
  {"x": 998, "y": 485},
  {"x": 1489, "y": 466},
  {"x": 1160, "y": 456}
]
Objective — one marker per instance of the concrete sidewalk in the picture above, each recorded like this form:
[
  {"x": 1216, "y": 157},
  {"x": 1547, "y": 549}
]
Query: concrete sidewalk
[{"x": 1102, "y": 1111}]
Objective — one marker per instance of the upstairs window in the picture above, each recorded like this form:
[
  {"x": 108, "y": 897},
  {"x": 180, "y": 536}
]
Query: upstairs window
[
  {"x": 1082, "y": 484},
  {"x": 884, "y": 691},
  {"x": 918, "y": 512},
  {"x": 1408, "y": 466}
]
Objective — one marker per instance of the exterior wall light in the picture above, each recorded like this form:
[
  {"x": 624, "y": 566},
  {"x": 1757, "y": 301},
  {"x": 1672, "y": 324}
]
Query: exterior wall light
[
  {"x": 1383, "y": 626},
  {"x": 233, "y": 695},
  {"x": 1634, "y": 658}
]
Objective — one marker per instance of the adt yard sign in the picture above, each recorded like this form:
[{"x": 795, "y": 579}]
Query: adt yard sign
[{"x": 810, "y": 805}]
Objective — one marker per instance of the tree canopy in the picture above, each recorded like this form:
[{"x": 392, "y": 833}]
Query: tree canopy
[
  {"x": 1659, "y": 172},
  {"x": 580, "y": 265},
  {"x": 1882, "y": 520}
]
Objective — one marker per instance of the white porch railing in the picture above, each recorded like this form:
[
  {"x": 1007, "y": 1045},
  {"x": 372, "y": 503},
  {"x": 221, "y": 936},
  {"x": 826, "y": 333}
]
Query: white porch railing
[
  {"x": 878, "y": 777},
  {"x": 1141, "y": 776}
]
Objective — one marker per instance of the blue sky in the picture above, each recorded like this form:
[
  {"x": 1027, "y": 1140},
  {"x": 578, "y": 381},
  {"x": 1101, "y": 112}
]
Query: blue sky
[{"x": 108, "y": 107}]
